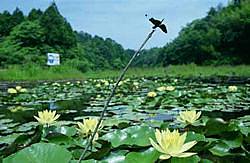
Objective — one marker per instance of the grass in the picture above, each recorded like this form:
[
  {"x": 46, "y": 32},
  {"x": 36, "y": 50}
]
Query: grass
[{"x": 33, "y": 73}]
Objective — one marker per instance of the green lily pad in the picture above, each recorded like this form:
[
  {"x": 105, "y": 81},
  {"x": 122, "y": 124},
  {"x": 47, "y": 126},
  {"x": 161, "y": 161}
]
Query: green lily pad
[
  {"x": 216, "y": 126},
  {"x": 65, "y": 130},
  {"x": 192, "y": 159},
  {"x": 234, "y": 141},
  {"x": 40, "y": 153},
  {"x": 150, "y": 155},
  {"x": 115, "y": 157},
  {"x": 8, "y": 139},
  {"x": 135, "y": 135},
  {"x": 191, "y": 136},
  {"x": 220, "y": 149}
]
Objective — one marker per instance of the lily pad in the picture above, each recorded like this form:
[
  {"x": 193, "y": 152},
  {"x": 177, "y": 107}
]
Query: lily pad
[
  {"x": 149, "y": 155},
  {"x": 192, "y": 159},
  {"x": 220, "y": 149},
  {"x": 135, "y": 135},
  {"x": 40, "y": 153}
]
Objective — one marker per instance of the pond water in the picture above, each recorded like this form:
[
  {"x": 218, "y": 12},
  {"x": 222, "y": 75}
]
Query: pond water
[{"x": 131, "y": 105}]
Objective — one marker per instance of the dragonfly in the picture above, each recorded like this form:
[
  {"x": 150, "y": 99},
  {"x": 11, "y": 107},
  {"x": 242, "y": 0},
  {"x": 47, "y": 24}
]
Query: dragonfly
[{"x": 158, "y": 23}]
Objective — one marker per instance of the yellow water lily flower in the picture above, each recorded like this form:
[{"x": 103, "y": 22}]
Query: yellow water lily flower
[
  {"x": 188, "y": 117},
  {"x": 47, "y": 117},
  {"x": 161, "y": 89},
  {"x": 12, "y": 91},
  {"x": 106, "y": 83},
  {"x": 136, "y": 83},
  {"x": 151, "y": 94},
  {"x": 98, "y": 85},
  {"x": 167, "y": 88},
  {"x": 171, "y": 144},
  {"x": 88, "y": 126},
  {"x": 232, "y": 88},
  {"x": 18, "y": 88},
  {"x": 23, "y": 90},
  {"x": 120, "y": 83},
  {"x": 56, "y": 84},
  {"x": 16, "y": 109},
  {"x": 170, "y": 88}
]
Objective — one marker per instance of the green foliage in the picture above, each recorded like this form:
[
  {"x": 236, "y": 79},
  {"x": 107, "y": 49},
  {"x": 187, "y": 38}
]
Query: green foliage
[
  {"x": 8, "y": 21},
  {"x": 35, "y": 14},
  {"x": 222, "y": 133},
  {"x": 70, "y": 71},
  {"x": 40, "y": 153},
  {"x": 130, "y": 135},
  {"x": 28, "y": 34},
  {"x": 5, "y": 25},
  {"x": 102, "y": 53},
  {"x": 149, "y": 155},
  {"x": 220, "y": 38},
  {"x": 28, "y": 39},
  {"x": 57, "y": 30}
]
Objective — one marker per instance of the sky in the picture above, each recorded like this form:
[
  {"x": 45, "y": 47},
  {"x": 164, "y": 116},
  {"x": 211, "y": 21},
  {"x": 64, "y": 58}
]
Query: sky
[{"x": 123, "y": 20}]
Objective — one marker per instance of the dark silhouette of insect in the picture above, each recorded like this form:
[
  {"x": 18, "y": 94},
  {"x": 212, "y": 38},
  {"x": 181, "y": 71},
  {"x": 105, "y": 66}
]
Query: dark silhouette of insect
[{"x": 158, "y": 23}]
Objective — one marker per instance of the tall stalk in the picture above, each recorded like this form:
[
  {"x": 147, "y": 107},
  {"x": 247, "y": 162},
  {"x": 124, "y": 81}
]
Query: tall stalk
[{"x": 112, "y": 94}]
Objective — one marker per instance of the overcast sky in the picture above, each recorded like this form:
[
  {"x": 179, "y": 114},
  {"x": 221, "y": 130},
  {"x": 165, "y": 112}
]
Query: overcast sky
[{"x": 123, "y": 20}]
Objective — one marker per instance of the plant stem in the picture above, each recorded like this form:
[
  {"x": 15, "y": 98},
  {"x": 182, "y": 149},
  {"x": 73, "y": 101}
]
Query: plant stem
[{"x": 112, "y": 94}]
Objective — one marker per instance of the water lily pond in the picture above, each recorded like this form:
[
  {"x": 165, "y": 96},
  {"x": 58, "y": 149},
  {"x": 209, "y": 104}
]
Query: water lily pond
[{"x": 149, "y": 120}]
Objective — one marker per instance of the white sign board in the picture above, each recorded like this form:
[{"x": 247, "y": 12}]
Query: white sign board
[{"x": 53, "y": 59}]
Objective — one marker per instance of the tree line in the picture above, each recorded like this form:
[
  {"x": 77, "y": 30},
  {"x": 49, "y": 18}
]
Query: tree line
[
  {"x": 26, "y": 40},
  {"x": 221, "y": 37}
]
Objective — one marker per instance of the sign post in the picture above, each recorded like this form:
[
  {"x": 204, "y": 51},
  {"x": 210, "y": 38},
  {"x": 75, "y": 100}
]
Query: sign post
[{"x": 53, "y": 59}]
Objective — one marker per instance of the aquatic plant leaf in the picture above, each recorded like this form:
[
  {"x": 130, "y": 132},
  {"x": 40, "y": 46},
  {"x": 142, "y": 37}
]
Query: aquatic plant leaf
[
  {"x": 149, "y": 155},
  {"x": 191, "y": 159},
  {"x": 135, "y": 135},
  {"x": 40, "y": 153}
]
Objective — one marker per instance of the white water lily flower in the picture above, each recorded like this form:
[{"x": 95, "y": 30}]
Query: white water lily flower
[
  {"x": 47, "y": 117},
  {"x": 188, "y": 117},
  {"x": 171, "y": 144}
]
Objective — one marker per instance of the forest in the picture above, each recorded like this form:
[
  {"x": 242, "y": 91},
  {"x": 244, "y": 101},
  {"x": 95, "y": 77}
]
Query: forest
[
  {"x": 220, "y": 38},
  {"x": 27, "y": 40}
]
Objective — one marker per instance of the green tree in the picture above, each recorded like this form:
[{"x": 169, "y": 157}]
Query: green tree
[
  {"x": 5, "y": 26},
  {"x": 28, "y": 34},
  {"x": 58, "y": 31},
  {"x": 222, "y": 37},
  {"x": 35, "y": 14},
  {"x": 17, "y": 17}
]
